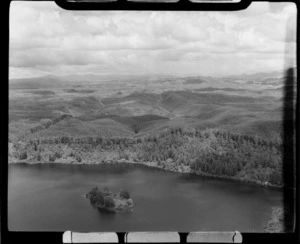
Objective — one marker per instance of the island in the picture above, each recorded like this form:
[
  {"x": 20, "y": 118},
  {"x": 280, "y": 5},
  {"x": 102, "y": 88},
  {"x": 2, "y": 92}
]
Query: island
[{"x": 112, "y": 202}]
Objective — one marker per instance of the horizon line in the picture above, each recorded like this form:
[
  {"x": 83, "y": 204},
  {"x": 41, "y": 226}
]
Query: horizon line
[{"x": 153, "y": 74}]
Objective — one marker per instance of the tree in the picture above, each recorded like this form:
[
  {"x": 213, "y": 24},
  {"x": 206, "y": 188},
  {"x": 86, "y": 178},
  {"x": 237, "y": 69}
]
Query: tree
[
  {"x": 275, "y": 177},
  {"x": 96, "y": 196},
  {"x": 239, "y": 166},
  {"x": 109, "y": 202},
  {"x": 51, "y": 158},
  {"x": 78, "y": 158},
  {"x": 124, "y": 194},
  {"x": 23, "y": 155},
  {"x": 57, "y": 155},
  {"x": 94, "y": 190},
  {"x": 65, "y": 140},
  {"x": 106, "y": 191},
  {"x": 99, "y": 197}
]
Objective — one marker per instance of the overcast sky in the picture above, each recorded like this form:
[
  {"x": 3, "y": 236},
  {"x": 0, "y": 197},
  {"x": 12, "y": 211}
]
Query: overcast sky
[{"x": 45, "y": 39}]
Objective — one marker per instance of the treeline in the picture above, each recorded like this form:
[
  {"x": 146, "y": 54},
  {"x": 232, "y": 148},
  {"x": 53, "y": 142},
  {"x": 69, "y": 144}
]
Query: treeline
[{"x": 214, "y": 152}]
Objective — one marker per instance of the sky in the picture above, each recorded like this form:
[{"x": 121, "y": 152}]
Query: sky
[{"x": 48, "y": 40}]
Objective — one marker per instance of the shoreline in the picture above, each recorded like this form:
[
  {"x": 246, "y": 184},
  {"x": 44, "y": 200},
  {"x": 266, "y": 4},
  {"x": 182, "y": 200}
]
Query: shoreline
[
  {"x": 275, "y": 223},
  {"x": 187, "y": 170},
  {"x": 236, "y": 179}
]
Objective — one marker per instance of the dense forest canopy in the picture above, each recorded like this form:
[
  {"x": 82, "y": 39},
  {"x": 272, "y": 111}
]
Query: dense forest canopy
[{"x": 215, "y": 152}]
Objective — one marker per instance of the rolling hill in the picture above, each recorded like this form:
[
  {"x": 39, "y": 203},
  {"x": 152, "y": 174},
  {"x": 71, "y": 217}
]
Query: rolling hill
[
  {"x": 132, "y": 105},
  {"x": 76, "y": 128}
]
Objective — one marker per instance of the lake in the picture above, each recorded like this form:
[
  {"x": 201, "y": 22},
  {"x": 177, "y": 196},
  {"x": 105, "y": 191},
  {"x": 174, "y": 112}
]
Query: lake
[{"x": 50, "y": 197}]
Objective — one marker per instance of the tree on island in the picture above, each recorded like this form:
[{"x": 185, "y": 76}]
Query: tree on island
[
  {"x": 96, "y": 196},
  {"x": 109, "y": 202},
  {"x": 106, "y": 191},
  {"x": 99, "y": 198},
  {"x": 124, "y": 194},
  {"x": 106, "y": 200}
]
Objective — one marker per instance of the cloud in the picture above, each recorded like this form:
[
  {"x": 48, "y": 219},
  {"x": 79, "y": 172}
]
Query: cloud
[{"x": 45, "y": 38}]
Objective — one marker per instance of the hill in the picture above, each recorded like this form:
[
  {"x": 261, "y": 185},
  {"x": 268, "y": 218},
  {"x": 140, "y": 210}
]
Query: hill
[
  {"x": 141, "y": 112},
  {"x": 74, "y": 127},
  {"x": 134, "y": 104},
  {"x": 138, "y": 123}
]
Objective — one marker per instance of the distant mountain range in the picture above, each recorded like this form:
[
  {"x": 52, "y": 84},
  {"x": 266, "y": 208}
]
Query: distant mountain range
[
  {"x": 52, "y": 81},
  {"x": 263, "y": 75}
]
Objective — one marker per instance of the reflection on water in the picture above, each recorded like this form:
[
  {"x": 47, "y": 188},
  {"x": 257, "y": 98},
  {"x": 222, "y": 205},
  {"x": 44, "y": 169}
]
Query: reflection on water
[{"x": 50, "y": 197}]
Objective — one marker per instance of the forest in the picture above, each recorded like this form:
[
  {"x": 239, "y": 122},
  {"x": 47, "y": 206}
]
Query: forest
[{"x": 213, "y": 152}]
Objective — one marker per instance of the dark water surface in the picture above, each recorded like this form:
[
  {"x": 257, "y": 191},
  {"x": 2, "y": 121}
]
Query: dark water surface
[{"x": 49, "y": 197}]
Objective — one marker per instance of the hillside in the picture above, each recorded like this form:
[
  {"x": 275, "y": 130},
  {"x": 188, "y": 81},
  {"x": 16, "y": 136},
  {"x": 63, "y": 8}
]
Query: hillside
[
  {"x": 145, "y": 112},
  {"x": 229, "y": 127},
  {"x": 74, "y": 127},
  {"x": 138, "y": 123}
]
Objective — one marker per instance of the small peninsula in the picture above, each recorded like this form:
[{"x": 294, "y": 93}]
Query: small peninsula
[{"x": 112, "y": 202}]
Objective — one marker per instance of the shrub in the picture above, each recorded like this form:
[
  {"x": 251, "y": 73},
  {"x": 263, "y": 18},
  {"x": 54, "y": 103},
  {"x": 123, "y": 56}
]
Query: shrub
[
  {"x": 78, "y": 158},
  {"x": 109, "y": 202},
  {"x": 124, "y": 194}
]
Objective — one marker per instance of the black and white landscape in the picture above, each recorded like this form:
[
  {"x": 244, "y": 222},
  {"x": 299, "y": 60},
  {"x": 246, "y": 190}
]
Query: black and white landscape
[{"x": 184, "y": 110}]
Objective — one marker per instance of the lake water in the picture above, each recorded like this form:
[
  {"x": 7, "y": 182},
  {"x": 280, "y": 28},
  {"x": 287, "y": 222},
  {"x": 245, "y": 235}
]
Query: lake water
[{"x": 50, "y": 197}]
